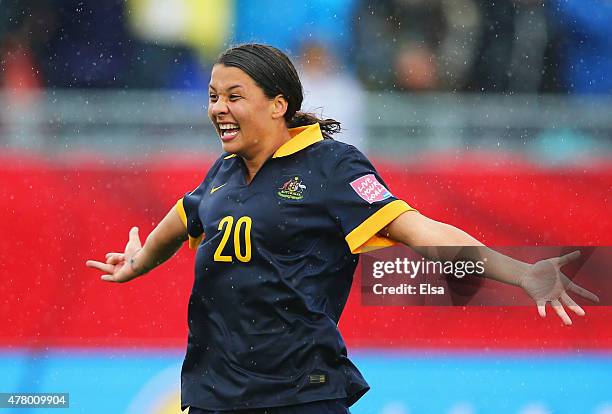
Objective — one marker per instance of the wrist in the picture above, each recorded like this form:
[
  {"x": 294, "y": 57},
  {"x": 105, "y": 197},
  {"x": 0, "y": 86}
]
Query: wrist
[
  {"x": 135, "y": 264},
  {"x": 522, "y": 274}
]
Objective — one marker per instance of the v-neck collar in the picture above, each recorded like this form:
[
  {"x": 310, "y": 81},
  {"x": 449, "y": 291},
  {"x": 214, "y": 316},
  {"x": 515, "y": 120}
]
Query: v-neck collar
[{"x": 301, "y": 138}]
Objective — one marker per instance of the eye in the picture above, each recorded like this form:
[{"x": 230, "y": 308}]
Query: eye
[
  {"x": 212, "y": 97},
  {"x": 234, "y": 97}
]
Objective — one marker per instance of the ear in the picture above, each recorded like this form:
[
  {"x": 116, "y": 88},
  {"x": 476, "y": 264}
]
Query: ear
[{"x": 279, "y": 106}]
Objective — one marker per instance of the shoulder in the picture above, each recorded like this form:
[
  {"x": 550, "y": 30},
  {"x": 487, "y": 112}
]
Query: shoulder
[
  {"x": 338, "y": 161},
  {"x": 334, "y": 152}
]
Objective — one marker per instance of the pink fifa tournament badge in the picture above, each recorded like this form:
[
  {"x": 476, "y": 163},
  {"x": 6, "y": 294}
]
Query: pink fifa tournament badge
[{"x": 368, "y": 188}]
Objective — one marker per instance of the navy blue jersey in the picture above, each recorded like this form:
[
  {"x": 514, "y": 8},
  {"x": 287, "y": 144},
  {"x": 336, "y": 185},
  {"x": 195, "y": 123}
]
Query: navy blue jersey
[{"x": 274, "y": 264}]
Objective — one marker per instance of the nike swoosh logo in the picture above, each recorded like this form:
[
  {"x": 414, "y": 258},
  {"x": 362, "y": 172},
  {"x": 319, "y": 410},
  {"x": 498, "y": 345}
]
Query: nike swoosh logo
[{"x": 212, "y": 190}]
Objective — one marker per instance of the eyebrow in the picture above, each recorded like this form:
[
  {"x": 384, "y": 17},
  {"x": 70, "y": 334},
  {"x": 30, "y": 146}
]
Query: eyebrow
[{"x": 228, "y": 89}]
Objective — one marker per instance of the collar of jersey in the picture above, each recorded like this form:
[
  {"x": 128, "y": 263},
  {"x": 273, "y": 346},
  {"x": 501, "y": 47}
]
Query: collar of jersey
[{"x": 301, "y": 137}]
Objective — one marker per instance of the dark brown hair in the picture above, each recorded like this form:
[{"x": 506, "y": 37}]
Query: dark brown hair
[{"x": 272, "y": 70}]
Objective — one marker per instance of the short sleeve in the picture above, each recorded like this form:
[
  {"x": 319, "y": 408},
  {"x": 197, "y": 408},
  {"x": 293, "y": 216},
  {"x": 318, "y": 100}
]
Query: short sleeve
[
  {"x": 361, "y": 202},
  {"x": 188, "y": 208}
]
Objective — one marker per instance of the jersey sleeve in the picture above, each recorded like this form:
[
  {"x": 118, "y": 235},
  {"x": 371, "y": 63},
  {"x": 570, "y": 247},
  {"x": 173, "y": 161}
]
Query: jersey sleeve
[
  {"x": 361, "y": 202},
  {"x": 188, "y": 208}
]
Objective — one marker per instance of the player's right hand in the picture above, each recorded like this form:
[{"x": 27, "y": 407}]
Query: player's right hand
[{"x": 119, "y": 267}]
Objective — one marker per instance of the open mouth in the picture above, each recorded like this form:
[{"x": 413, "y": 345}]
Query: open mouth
[{"x": 228, "y": 131}]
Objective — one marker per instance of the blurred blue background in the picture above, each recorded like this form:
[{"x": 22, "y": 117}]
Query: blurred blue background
[{"x": 405, "y": 382}]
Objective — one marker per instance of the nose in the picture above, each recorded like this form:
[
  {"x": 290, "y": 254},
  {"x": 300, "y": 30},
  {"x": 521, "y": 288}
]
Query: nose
[{"x": 218, "y": 108}]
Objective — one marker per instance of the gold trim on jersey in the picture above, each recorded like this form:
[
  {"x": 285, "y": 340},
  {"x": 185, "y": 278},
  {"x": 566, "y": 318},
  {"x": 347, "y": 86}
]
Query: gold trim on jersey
[
  {"x": 364, "y": 238},
  {"x": 301, "y": 137},
  {"x": 194, "y": 242},
  {"x": 180, "y": 208}
]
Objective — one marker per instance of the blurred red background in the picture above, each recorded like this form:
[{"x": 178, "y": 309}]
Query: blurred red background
[{"x": 57, "y": 214}]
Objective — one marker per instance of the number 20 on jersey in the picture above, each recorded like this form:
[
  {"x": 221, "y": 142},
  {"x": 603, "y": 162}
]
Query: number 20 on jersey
[{"x": 242, "y": 238}]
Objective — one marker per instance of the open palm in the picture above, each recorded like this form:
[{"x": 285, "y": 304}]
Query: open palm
[{"x": 545, "y": 282}]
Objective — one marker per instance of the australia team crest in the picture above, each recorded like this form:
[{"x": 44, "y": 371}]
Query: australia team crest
[{"x": 292, "y": 189}]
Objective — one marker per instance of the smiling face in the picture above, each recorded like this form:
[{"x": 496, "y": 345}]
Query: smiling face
[{"x": 240, "y": 111}]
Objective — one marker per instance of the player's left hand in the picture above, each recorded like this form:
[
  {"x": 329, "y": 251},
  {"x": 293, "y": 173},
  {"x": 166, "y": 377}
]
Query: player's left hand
[{"x": 545, "y": 282}]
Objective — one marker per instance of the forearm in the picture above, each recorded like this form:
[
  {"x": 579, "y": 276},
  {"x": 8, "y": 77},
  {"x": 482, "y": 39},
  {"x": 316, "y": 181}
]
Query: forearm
[
  {"x": 441, "y": 241},
  {"x": 497, "y": 266},
  {"x": 161, "y": 244}
]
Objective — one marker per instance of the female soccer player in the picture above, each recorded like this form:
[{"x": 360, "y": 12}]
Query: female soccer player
[{"x": 277, "y": 223}]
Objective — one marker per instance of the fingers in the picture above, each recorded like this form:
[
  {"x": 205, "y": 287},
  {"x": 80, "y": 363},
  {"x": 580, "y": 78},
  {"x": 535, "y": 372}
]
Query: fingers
[
  {"x": 134, "y": 235},
  {"x": 109, "y": 278},
  {"x": 111, "y": 274},
  {"x": 569, "y": 302},
  {"x": 542, "y": 308},
  {"x": 133, "y": 241},
  {"x": 572, "y": 287},
  {"x": 566, "y": 258},
  {"x": 556, "y": 305},
  {"x": 122, "y": 275},
  {"x": 104, "y": 267},
  {"x": 115, "y": 258}
]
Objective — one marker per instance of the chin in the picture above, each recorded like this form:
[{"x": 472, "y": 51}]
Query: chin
[{"x": 231, "y": 147}]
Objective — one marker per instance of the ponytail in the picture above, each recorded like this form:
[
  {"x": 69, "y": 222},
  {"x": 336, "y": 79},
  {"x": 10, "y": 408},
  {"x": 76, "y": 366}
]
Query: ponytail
[{"x": 328, "y": 126}]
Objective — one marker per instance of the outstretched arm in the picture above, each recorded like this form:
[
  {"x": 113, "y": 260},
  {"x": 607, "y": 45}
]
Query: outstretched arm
[
  {"x": 543, "y": 281},
  {"x": 136, "y": 260}
]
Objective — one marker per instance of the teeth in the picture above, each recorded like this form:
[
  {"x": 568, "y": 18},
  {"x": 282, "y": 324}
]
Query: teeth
[{"x": 228, "y": 126}]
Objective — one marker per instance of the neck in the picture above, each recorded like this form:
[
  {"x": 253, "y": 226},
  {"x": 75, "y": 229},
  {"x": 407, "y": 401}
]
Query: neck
[{"x": 269, "y": 146}]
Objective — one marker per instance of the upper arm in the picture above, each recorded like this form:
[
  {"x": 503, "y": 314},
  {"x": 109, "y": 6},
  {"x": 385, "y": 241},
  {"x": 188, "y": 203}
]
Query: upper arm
[
  {"x": 409, "y": 228},
  {"x": 414, "y": 229},
  {"x": 175, "y": 224},
  {"x": 171, "y": 227}
]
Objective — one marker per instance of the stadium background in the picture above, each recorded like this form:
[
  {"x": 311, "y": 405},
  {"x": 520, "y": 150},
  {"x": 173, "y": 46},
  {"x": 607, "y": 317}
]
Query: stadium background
[{"x": 492, "y": 117}]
